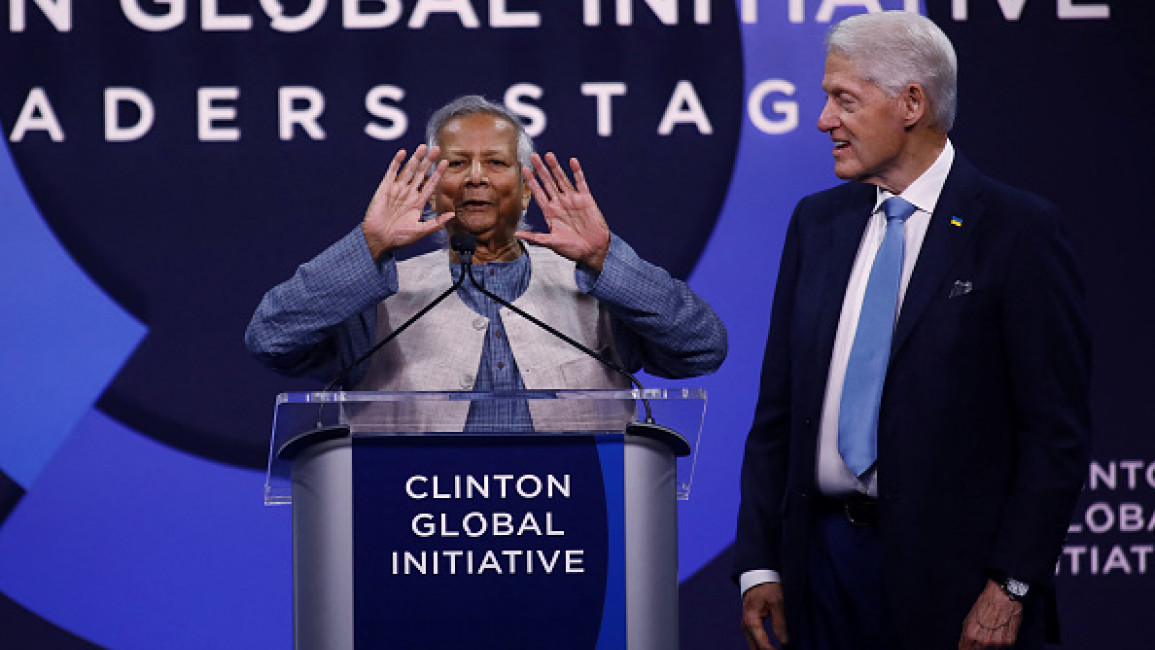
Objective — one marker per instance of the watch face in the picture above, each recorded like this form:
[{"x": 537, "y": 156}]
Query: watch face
[{"x": 1016, "y": 589}]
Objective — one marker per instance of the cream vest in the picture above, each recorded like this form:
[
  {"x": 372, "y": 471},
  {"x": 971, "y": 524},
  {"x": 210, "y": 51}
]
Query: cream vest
[{"x": 442, "y": 350}]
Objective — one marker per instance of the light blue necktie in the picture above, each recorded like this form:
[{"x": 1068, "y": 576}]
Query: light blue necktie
[{"x": 866, "y": 368}]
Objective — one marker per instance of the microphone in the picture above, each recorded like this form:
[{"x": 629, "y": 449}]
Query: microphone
[{"x": 647, "y": 428}]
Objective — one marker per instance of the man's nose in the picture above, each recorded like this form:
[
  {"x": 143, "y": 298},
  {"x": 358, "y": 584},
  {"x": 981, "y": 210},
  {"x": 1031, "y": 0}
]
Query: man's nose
[
  {"x": 826, "y": 119},
  {"x": 476, "y": 175}
]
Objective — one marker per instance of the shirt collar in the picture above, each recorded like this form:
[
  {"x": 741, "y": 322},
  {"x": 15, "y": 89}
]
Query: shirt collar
[{"x": 925, "y": 189}]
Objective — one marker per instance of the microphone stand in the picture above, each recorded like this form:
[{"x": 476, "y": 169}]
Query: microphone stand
[
  {"x": 464, "y": 246},
  {"x": 647, "y": 428}
]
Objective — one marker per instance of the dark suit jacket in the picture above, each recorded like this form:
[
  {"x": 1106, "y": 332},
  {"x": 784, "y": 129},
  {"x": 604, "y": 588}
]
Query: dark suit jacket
[{"x": 984, "y": 425}]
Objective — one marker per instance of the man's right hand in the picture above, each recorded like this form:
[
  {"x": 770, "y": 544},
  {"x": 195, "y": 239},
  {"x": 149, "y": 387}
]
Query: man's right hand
[
  {"x": 393, "y": 219},
  {"x": 761, "y": 601}
]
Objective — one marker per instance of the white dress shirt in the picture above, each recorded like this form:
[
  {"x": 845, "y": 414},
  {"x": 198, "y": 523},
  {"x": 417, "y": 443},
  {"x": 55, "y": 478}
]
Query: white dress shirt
[{"x": 834, "y": 477}]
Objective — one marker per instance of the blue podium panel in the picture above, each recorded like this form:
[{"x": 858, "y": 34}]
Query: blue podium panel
[{"x": 508, "y": 541}]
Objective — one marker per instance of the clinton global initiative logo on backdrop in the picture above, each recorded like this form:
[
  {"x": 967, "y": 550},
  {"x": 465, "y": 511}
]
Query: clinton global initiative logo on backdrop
[
  {"x": 1112, "y": 533},
  {"x": 190, "y": 154}
]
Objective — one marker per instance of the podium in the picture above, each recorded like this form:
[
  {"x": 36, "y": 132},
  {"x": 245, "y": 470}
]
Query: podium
[{"x": 415, "y": 527}]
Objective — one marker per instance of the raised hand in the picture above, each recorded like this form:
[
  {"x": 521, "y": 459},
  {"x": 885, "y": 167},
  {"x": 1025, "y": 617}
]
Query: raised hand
[
  {"x": 577, "y": 229},
  {"x": 393, "y": 219}
]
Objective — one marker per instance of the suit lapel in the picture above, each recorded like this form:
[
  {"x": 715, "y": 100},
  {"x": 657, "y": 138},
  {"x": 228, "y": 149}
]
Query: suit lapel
[
  {"x": 959, "y": 202},
  {"x": 843, "y": 235}
]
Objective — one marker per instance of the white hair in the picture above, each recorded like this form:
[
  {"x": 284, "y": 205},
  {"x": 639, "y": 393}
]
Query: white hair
[
  {"x": 894, "y": 48},
  {"x": 478, "y": 105}
]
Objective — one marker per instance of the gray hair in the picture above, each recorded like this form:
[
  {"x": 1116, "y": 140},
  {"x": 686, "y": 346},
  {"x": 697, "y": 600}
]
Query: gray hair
[
  {"x": 894, "y": 48},
  {"x": 478, "y": 105}
]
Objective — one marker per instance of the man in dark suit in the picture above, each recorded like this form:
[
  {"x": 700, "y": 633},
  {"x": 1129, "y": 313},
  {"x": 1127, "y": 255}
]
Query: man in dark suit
[{"x": 922, "y": 428}]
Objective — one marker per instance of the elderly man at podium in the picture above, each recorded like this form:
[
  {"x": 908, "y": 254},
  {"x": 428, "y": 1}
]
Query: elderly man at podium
[{"x": 476, "y": 176}]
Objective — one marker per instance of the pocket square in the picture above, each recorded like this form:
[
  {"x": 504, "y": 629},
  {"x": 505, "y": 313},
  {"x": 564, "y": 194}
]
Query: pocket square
[{"x": 960, "y": 288}]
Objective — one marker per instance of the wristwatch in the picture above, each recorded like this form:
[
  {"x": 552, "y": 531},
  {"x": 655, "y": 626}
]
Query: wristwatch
[{"x": 1016, "y": 590}]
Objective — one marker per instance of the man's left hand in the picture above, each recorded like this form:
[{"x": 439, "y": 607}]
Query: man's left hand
[
  {"x": 993, "y": 622},
  {"x": 577, "y": 229}
]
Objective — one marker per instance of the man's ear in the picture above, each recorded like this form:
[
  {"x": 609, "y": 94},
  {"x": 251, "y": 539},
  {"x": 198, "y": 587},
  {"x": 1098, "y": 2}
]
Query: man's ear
[{"x": 914, "y": 103}]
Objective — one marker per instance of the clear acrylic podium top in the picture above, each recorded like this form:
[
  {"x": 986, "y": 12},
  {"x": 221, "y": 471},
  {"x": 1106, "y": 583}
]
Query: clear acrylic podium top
[{"x": 554, "y": 412}]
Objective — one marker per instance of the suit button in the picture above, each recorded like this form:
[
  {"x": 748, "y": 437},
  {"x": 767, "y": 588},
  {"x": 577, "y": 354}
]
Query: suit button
[{"x": 808, "y": 421}]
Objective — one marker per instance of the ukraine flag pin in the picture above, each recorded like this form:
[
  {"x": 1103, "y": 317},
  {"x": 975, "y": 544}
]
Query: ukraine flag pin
[{"x": 956, "y": 222}]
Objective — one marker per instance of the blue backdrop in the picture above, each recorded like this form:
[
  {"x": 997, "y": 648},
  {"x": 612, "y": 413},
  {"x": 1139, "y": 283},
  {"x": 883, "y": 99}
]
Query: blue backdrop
[{"x": 164, "y": 163}]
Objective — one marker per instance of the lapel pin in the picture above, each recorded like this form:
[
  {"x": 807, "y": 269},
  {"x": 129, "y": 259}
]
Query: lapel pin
[{"x": 956, "y": 222}]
